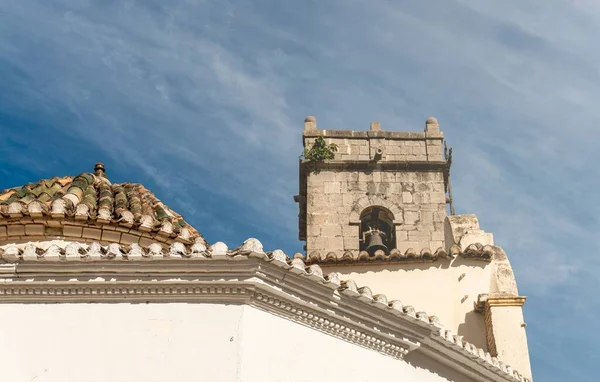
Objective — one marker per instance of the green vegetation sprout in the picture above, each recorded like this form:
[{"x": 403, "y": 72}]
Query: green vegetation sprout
[{"x": 320, "y": 151}]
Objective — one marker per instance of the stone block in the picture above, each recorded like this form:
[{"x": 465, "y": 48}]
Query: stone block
[
  {"x": 408, "y": 186},
  {"x": 347, "y": 199},
  {"x": 332, "y": 187},
  {"x": 423, "y": 187},
  {"x": 392, "y": 188},
  {"x": 329, "y": 231},
  {"x": 476, "y": 237},
  {"x": 401, "y": 235},
  {"x": 437, "y": 235},
  {"x": 319, "y": 179},
  {"x": 437, "y": 187},
  {"x": 313, "y": 230},
  {"x": 411, "y": 217},
  {"x": 3, "y": 231},
  {"x": 391, "y": 149},
  {"x": 351, "y": 242},
  {"x": 145, "y": 242},
  {"x": 334, "y": 243},
  {"x": 440, "y": 215},
  {"x": 340, "y": 177},
  {"x": 407, "y": 227},
  {"x": 388, "y": 176},
  {"x": 464, "y": 230},
  {"x": 317, "y": 218},
  {"x": 407, "y": 177},
  {"x": 54, "y": 231},
  {"x": 364, "y": 177},
  {"x": 335, "y": 219},
  {"x": 437, "y": 197},
  {"x": 407, "y": 197},
  {"x": 419, "y": 236},
  {"x": 426, "y": 226},
  {"x": 420, "y": 198},
  {"x": 34, "y": 230},
  {"x": 317, "y": 200},
  {"x": 127, "y": 238},
  {"x": 112, "y": 236},
  {"x": 435, "y": 244},
  {"x": 91, "y": 233},
  {"x": 351, "y": 245},
  {"x": 434, "y": 155},
  {"x": 343, "y": 149},
  {"x": 403, "y": 246},
  {"x": 316, "y": 241},
  {"x": 427, "y": 217},
  {"x": 350, "y": 230},
  {"x": 15, "y": 230},
  {"x": 355, "y": 187},
  {"x": 419, "y": 151},
  {"x": 334, "y": 199}
]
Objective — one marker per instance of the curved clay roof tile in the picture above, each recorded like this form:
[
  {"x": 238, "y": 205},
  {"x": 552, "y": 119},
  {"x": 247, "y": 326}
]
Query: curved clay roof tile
[{"x": 92, "y": 200}]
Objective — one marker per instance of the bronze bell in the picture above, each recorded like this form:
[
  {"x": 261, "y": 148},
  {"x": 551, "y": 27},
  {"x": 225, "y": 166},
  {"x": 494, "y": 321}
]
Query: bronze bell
[{"x": 376, "y": 242}]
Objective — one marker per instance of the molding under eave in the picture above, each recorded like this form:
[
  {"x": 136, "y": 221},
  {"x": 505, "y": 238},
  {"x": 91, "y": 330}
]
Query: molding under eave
[{"x": 304, "y": 297}]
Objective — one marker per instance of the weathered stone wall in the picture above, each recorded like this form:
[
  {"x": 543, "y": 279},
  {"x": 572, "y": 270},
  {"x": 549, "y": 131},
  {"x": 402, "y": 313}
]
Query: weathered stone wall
[
  {"x": 397, "y": 147},
  {"x": 376, "y": 168},
  {"x": 336, "y": 198}
]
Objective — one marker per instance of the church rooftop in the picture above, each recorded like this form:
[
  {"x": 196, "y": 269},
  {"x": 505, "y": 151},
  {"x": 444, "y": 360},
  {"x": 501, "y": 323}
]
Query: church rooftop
[
  {"x": 308, "y": 294},
  {"x": 91, "y": 207}
]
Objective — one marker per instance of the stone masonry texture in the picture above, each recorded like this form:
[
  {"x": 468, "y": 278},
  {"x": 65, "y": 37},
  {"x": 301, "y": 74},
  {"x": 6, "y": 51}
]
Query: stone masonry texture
[{"x": 401, "y": 172}]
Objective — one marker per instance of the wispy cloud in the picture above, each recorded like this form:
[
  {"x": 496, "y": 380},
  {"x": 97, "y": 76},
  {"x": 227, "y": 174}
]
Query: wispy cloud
[{"x": 204, "y": 101}]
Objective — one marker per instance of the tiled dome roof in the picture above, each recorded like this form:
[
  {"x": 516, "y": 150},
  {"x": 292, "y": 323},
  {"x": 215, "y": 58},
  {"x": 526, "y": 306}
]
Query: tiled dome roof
[{"x": 91, "y": 199}]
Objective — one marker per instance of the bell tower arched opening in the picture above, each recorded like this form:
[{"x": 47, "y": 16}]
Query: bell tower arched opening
[{"x": 376, "y": 230}]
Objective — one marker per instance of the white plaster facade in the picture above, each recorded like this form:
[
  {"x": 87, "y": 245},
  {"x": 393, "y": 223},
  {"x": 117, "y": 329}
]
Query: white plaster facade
[
  {"x": 449, "y": 289},
  {"x": 182, "y": 342}
]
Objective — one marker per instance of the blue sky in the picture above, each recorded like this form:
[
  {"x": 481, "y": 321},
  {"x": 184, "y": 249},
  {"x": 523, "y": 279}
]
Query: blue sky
[{"x": 204, "y": 102}]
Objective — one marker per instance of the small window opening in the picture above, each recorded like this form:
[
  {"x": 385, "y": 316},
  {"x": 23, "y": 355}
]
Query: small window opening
[{"x": 377, "y": 230}]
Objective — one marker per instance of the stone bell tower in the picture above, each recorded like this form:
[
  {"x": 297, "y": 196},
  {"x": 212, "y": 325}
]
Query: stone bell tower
[
  {"x": 383, "y": 192},
  {"x": 375, "y": 213}
]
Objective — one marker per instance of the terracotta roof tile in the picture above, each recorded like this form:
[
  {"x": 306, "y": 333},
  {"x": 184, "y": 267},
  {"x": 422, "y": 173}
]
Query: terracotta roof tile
[
  {"x": 92, "y": 197},
  {"x": 425, "y": 255}
]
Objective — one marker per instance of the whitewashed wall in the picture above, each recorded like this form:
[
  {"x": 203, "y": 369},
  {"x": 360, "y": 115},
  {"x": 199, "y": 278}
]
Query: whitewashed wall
[
  {"x": 179, "y": 342},
  {"x": 446, "y": 290}
]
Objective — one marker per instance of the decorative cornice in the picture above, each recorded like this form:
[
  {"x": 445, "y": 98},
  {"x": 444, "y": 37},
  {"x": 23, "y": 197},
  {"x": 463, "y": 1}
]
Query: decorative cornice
[
  {"x": 425, "y": 255},
  {"x": 245, "y": 275},
  {"x": 487, "y": 301}
]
